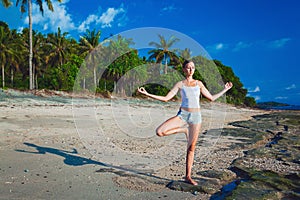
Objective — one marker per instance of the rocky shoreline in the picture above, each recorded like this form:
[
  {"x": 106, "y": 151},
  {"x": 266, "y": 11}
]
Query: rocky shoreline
[{"x": 267, "y": 168}]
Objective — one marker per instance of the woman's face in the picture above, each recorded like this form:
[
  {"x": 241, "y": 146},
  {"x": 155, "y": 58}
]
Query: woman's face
[{"x": 189, "y": 68}]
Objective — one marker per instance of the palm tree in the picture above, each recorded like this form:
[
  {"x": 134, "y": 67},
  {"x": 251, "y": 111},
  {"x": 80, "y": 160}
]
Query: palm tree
[
  {"x": 89, "y": 44},
  {"x": 6, "y": 3},
  {"x": 24, "y": 4},
  {"x": 186, "y": 54},
  {"x": 7, "y": 47},
  {"x": 60, "y": 48},
  {"x": 15, "y": 59},
  {"x": 38, "y": 43},
  {"x": 119, "y": 45},
  {"x": 122, "y": 55},
  {"x": 162, "y": 51},
  {"x": 38, "y": 58}
]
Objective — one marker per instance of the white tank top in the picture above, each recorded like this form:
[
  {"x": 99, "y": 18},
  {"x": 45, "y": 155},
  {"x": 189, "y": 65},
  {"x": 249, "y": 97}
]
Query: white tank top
[{"x": 190, "y": 96}]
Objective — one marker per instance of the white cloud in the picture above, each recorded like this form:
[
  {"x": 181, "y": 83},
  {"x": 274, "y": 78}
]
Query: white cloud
[
  {"x": 257, "y": 89},
  {"x": 108, "y": 17},
  {"x": 52, "y": 20},
  {"x": 61, "y": 18},
  {"x": 85, "y": 25},
  {"x": 279, "y": 43},
  {"x": 168, "y": 8},
  {"x": 219, "y": 46},
  {"x": 257, "y": 98},
  {"x": 216, "y": 48},
  {"x": 45, "y": 27},
  {"x": 241, "y": 45},
  {"x": 293, "y": 86},
  {"x": 280, "y": 98},
  {"x": 105, "y": 20}
]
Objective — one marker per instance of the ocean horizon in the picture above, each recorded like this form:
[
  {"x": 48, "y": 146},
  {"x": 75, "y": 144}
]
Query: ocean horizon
[{"x": 288, "y": 107}]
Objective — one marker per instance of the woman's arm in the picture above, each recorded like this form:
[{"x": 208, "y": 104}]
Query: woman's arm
[
  {"x": 211, "y": 97},
  {"x": 166, "y": 98}
]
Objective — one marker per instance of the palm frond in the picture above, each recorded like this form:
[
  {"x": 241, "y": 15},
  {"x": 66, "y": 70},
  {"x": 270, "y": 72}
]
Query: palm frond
[{"x": 6, "y": 3}]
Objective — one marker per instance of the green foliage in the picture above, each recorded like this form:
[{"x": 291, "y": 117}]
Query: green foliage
[
  {"x": 208, "y": 74},
  {"x": 63, "y": 77},
  {"x": 108, "y": 68},
  {"x": 105, "y": 85},
  {"x": 163, "y": 83},
  {"x": 237, "y": 94},
  {"x": 157, "y": 89},
  {"x": 125, "y": 72},
  {"x": 250, "y": 102}
]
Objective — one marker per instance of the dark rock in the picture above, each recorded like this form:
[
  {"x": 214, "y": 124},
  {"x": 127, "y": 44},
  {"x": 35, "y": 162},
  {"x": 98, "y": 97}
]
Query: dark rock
[
  {"x": 204, "y": 186},
  {"x": 253, "y": 190},
  {"x": 223, "y": 176}
]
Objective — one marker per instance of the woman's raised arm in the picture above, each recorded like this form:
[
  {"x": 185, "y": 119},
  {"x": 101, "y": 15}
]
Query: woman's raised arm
[
  {"x": 214, "y": 97},
  {"x": 166, "y": 98}
]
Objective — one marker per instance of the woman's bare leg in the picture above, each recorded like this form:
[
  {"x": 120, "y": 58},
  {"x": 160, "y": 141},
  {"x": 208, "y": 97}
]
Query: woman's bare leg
[
  {"x": 172, "y": 126},
  {"x": 193, "y": 133},
  {"x": 177, "y": 125}
]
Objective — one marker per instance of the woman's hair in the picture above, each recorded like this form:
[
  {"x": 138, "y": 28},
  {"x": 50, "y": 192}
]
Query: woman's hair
[{"x": 185, "y": 63}]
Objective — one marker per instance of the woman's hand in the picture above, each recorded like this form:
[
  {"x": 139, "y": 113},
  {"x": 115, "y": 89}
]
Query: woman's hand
[
  {"x": 142, "y": 90},
  {"x": 228, "y": 85}
]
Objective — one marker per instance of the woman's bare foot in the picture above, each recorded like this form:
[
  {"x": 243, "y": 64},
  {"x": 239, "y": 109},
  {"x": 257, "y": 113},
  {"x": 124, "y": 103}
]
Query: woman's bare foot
[{"x": 190, "y": 181}]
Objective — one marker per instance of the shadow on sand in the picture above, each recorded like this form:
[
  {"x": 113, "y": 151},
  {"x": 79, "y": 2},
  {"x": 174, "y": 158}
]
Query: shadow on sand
[{"x": 73, "y": 159}]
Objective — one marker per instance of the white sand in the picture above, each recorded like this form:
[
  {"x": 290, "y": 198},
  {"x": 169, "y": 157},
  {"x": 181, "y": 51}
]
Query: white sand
[{"x": 51, "y": 149}]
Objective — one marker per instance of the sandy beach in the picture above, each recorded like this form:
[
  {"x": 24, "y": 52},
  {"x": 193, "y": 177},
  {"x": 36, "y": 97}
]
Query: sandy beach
[{"x": 64, "y": 148}]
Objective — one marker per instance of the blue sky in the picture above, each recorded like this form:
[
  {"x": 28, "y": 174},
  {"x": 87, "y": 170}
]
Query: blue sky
[{"x": 259, "y": 39}]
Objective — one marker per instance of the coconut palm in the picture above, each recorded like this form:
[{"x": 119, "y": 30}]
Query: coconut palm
[
  {"x": 185, "y": 54},
  {"x": 8, "y": 55},
  {"x": 89, "y": 44},
  {"x": 59, "y": 50},
  {"x": 15, "y": 59},
  {"x": 119, "y": 45},
  {"x": 120, "y": 54},
  {"x": 38, "y": 58},
  {"x": 5, "y": 51},
  {"x": 28, "y": 4},
  {"x": 38, "y": 55},
  {"x": 162, "y": 51}
]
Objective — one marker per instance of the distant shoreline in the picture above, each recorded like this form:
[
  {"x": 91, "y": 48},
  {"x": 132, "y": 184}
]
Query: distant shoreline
[{"x": 277, "y": 106}]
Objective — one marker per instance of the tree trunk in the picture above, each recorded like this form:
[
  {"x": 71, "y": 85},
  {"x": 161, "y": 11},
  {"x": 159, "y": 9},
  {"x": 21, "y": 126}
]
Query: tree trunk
[
  {"x": 95, "y": 78},
  {"x": 166, "y": 67},
  {"x": 33, "y": 76},
  {"x": 166, "y": 64},
  {"x": 30, "y": 44},
  {"x": 3, "y": 79},
  {"x": 12, "y": 77},
  {"x": 84, "y": 83},
  {"x": 122, "y": 87},
  {"x": 115, "y": 87},
  {"x": 36, "y": 82}
]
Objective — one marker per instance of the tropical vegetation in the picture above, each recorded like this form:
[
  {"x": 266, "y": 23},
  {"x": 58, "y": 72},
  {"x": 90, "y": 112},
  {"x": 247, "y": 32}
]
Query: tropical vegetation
[{"x": 59, "y": 62}]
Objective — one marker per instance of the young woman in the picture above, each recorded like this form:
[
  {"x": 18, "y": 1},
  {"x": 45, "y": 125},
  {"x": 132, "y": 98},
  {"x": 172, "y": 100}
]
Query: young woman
[{"x": 189, "y": 112}]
